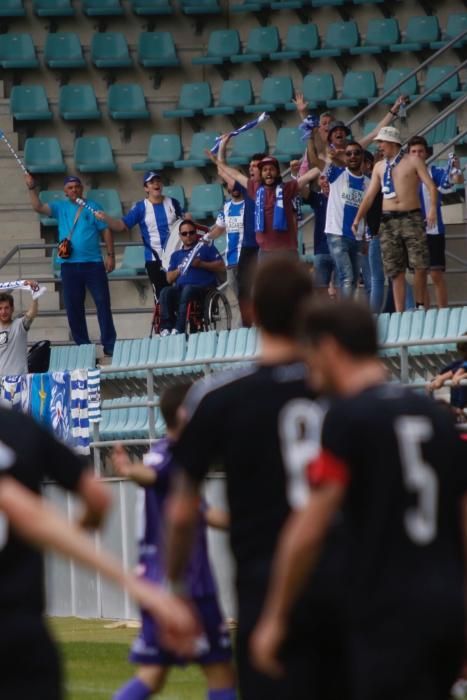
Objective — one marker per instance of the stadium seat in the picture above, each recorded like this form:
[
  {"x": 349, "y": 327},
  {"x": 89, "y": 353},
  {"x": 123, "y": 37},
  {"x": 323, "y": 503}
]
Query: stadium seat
[
  {"x": 381, "y": 33},
  {"x": 368, "y": 2},
  {"x": 148, "y": 8},
  {"x": 359, "y": 88},
  {"x": 444, "y": 132},
  {"x": 409, "y": 88},
  {"x": 276, "y": 93},
  {"x": 12, "y": 8},
  {"x": 164, "y": 150},
  {"x": 392, "y": 333},
  {"x": 172, "y": 348},
  {"x": 132, "y": 262},
  {"x": 156, "y": 50},
  {"x": 68, "y": 357},
  {"x": 109, "y": 200},
  {"x": 443, "y": 91},
  {"x": 245, "y": 145},
  {"x": 29, "y": 102},
  {"x": 288, "y": 4},
  {"x": 17, "y": 51},
  {"x": 199, "y": 143},
  {"x": 453, "y": 329},
  {"x": 421, "y": 31},
  {"x": 340, "y": 38},
  {"x": 300, "y": 40},
  {"x": 206, "y": 200},
  {"x": 63, "y": 50},
  {"x": 177, "y": 192},
  {"x": 127, "y": 101},
  {"x": 78, "y": 102},
  {"x": 234, "y": 96},
  {"x": 428, "y": 332},
  {"x": 200, "y": 7},
  {"x": 403, "y": 333},
  {"x": 288, "y": 144},
  {"x": 102, "y": 8},
  {"x": 318, "y": 88},
  {"x": 53, "y": 8},
  {"x": 251, "y": 6},
  {"x": 326, "y": 3},
  {"x": 261, "y": 42},
  {"x": 456, "y": 23},
  {"x": 222, "y": 44},
  {"x": 43, "y": 155},
  {"x": 46, "y": 197},
  {"x": 93, "y": 154},
  {"x": 194, "y": 98},
  {"x": 200, "y": 346},
  {"x": 110, "y": 50},
  {"x": 382, "y": 324}
]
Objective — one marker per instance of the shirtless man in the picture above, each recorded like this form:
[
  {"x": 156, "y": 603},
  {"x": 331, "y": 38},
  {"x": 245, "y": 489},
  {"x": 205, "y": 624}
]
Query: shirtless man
[{"x": 402, "y": 231}]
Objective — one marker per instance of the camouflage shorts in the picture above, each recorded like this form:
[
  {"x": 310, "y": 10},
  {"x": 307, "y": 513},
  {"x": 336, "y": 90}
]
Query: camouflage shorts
[{"x": 403, "y": 243}]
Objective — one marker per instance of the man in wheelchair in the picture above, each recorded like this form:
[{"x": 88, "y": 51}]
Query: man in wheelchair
[{"x": 191, "y": 275}]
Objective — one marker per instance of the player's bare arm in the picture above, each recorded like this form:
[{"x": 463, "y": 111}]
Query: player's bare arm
[
  {"x": 96, "y": 501},
  {"x": 136, "y": 471},
  {"x": 217, "y": 518},
  {"x": 182, "y": 515},
  {"x": 424, "y": 175},
  {"x": 296, "y": 556},
  {"x": 373, "y": 189}
]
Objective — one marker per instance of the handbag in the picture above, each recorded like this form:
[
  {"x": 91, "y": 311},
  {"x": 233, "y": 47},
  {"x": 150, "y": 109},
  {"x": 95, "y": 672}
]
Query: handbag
[{"x": 65, "y": 248}]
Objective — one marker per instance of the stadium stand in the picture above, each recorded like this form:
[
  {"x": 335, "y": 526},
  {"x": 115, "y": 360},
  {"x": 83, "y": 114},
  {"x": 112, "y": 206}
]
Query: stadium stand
[
  {"x": 93, "y": 154},
  {"x": 163, "y": 150},
  {"x": 29, "y": 103}
]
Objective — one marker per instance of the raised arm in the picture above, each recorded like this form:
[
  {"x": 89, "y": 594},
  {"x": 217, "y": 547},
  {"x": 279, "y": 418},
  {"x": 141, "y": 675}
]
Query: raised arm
[
  {"x": 34, "y": 197},
  {"x": 307, "y": 177},
  {"x": 31, "y": 313},
  {"x": 226, "y": 171},
  {"x": 314, "y": 158},
  {"x": 301, "y": 105},
  {"x": 365, "y": 141},
  {"x": 117, "y": 225}
]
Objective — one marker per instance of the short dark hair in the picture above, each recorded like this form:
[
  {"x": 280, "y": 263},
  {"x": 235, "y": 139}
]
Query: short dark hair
[
  {"x": 418, "y": 141},
  {"x": 348, "y": 322},
  {"x": 4, "y": 296},
  {"x": 171, "y": 399},
  {"x": 280, "y": 286},
  {"x": 186, "y": 221},
  {"x": 258, "y": 156},
  {"x": 355, "y": 143}
]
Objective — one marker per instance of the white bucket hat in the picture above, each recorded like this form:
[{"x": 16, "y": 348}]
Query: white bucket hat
[{"x": 389, "y": 133}]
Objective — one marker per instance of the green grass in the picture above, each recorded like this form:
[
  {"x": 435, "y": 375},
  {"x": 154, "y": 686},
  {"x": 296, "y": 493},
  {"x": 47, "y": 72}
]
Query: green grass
[{"x": 95, "y": 662}]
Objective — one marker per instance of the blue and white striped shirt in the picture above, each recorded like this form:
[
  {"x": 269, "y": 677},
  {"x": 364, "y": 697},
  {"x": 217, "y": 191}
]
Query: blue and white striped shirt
[{"x": 154, "y": 222}]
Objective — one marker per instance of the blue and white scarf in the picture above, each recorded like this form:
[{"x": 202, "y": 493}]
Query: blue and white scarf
[
  {"x": 279, "y": 221},
  {"x": 446, "y": 184},
  {"x": 94, "y": 395},
  {"x": 185, "y": 265},
  {"x": 388, "y": 184},
  {"x": 249, "y": 125},
  {"x": 308, "y": 124},
  {"x": 21, "y": 284}
]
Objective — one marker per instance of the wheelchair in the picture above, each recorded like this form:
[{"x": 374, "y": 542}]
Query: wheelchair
[{"x": 213, "y": 313}]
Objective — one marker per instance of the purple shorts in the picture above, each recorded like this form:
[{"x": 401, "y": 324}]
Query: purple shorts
[{"x": 146, "y": 650}]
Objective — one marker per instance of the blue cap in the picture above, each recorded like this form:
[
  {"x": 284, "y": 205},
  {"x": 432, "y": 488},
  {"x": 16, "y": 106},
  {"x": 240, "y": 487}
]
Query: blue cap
[
  {"x": 149, "y": 175},
  {"x": 72, "y": 178}
]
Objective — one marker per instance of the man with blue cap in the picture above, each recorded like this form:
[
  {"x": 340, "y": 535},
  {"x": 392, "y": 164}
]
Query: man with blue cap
[{"x": 80, "y": 258}]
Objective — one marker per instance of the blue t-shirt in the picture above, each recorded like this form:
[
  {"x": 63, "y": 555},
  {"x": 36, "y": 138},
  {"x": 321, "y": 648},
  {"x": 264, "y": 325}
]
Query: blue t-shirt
[
  {"x": 86, "y": 238},
  {"x": 319, "y": 202},
  {"x": 154, "y": 223},
  {"x": 249, "y": 233},
  {"x": 197, "y": 276}
]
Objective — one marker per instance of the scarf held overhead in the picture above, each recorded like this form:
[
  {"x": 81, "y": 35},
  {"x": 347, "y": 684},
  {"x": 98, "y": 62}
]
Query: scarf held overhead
[
  {"x": 21, "y": 284},
  {"x": 249, "y": 125}
]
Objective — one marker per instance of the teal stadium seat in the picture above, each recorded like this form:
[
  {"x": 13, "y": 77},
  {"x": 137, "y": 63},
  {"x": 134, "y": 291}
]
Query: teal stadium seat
[
  {"x": 382, "y": 322},
  {"x": 318, "y": 88},
  {"x": 93, "y": 154},
  {"x": 288, "y": 144},
  {"x": 326, "y": 3},
  {"x": 403, "y": 333},
  {"x": 428, "y": 332},
  {"x": 109, "y": 200},
  {"x": 78, "y": 102},
  {"x": 288, "y": 4},
  {"x": 276, "y": 93},
  {"x": 177, "y": 192},
  {"x": 63, "y": 50},
  {"x": 68, "y": 357},
  {"x": 359, "y": 88},
  {"x": 53, "y": 8},
  {"x": 102, "y": 8},
  {"x": 445, "y": 90},
  {"x": 133, "y": 262},
  {"x": 127, "y": 101},
  {"x": 201, "y": 141},
  {"x": 233, "y": 344},
  {"x": 172, "y": 348},
  {"x": 245, "y": 145},
  {"x": 222, "y": 44},
  {"x": 43, "y": 155},
  {"x": 300, "y": 40},
  {"x": 453, "y": 329},
  {"x": 157, "y": 50},
  {"x": 261, "y": 42},
  {"x": 194, "y": 98},
  {"x": 409, "y": 87},
  {"x": 206, "y": 200},
  {"x": 150, "y": 8},
  {"x": 12, "y": 8},
  {"x": 368, "y": 2},
  {"x": 164, "y": 150},
  {"x": 17, "y": 51},
  {"x": 251, "y": 6},
  {"x": 234, "y": 96},
  {"x": 392, "y": 333},
  {"x": 47, "y": 197},
  {"x": 421, "y": 32},
  {"x": 110, "y": 50},
  {"x": 444, "y": 132},
  {"x": 29, "y": 102},
  {"x": 340, "y": 38},
  {"x": 456, "y": 23},
  {"x": 201, "y": 346},
  {"x": 381, "y": 34},
  {"x": 200, "y": 7}
]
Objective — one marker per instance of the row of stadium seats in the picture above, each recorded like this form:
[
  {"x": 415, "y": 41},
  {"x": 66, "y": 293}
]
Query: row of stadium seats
[
  {"x": 66, "y": 357},
  {"x": 128, "y": 423},
  {"x": 105, "y": 8}
]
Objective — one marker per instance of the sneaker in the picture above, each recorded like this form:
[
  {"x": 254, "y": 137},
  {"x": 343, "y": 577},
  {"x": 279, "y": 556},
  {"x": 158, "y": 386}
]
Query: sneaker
[
  {"x": 164, "y": 333},
  {"x": 174, "y": 332}
]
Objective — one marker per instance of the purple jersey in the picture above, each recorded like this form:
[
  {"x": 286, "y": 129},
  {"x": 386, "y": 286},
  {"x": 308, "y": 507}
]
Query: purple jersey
[{"x": 151, "y": 530}]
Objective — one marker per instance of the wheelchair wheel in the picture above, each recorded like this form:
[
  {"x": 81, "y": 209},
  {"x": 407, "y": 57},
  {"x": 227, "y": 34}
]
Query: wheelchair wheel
[{"x": 217, "y": 312}]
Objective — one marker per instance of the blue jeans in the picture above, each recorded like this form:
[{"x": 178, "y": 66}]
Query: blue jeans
[
  {"x": 324, "y": 267},
  {"x": 76, "y": 277},
  {"x": 377, "y": 275},
  {"x": 174, "y": 303},
  {"x": 364, "y": 261},
  {"x": 344, "y": 252}
]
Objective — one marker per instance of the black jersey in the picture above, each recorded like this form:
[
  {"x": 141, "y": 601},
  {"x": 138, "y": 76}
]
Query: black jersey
[
  {"x": 35, "y": 456},
  {"x": 261, "y": 426},
  {"x": 406, "y": 468}
]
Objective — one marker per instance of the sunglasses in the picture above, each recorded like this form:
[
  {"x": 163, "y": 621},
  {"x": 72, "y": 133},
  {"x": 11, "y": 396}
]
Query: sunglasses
[
  {"x": 353, "y": 153},
  {"x": 193, "y": 232}
]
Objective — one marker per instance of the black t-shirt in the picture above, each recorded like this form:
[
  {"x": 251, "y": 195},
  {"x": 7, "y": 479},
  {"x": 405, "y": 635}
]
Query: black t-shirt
[
  {"x": 405, "y": 468},
  {"x": 37, "y": 455},
  {"x": 261, "y": 426}
]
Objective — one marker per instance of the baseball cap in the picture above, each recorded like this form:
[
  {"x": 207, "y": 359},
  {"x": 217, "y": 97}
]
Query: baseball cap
[
  {"x": 390, "y": 134},
  {"x": 149, "y": 175},
  {"x": 72, "y": 178},
  {"x": 269, "y": 160},
  {"x": 338, "y": 125}
]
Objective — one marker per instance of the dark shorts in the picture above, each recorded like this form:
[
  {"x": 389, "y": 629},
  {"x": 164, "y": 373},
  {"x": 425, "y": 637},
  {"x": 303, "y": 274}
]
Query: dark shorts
[
  {"x": 245, "y": 271},
  {"x": 157, "y": 277},
  {"x": 216, "y": 646},
  {"x": 403, "y": 242},
  {"x": 436, "y": 248}
]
